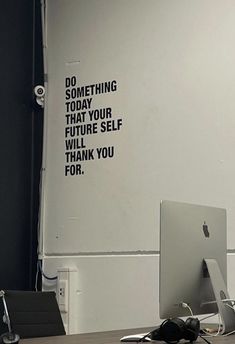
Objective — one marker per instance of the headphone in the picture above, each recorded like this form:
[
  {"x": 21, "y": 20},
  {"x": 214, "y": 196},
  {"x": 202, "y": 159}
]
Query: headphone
[{"x": 173, "y": 330}]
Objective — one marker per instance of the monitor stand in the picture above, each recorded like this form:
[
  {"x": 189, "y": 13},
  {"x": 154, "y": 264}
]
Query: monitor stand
[{"x": 220, "y": 291}]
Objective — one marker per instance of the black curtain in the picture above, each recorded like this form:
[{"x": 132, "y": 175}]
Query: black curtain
[{"x": 21, "y": 127}]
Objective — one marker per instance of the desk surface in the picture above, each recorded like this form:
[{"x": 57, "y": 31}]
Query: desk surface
[{"x": 110, "y": 337}]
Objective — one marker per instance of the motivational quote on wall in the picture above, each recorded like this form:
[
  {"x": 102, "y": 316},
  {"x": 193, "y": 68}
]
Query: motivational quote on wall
[{"x": 84, "y": 119}]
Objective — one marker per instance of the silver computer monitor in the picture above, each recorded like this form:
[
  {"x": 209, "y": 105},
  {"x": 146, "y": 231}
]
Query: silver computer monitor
[{"x": 191, "y": 235}]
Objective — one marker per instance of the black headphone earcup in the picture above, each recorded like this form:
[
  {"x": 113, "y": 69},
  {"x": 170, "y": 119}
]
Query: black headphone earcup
[
  {"x": 156, "y": 334},
  {"x": 192, "y": 329},
  {"x": 172, "y": 330}
]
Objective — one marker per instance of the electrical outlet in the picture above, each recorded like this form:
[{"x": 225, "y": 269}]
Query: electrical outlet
[
  {"x": 67, "y": 297},
  {"x": 63, "y": 295}
]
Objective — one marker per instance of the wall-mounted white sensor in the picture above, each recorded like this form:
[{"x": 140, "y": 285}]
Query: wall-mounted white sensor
[{"x": 39, "y": 92}]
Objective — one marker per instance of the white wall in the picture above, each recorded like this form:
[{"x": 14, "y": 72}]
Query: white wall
[
  {"x": 173, "y": 62},
  {"x": 113, "y": 292}
]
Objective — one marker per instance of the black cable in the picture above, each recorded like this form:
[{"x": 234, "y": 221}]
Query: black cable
[
  {"x": 207, "y": 341},
  {"x": 45, "y": 276}
]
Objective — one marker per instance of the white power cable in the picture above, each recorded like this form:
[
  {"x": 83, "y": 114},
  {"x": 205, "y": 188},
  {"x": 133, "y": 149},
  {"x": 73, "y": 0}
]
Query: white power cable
[
  {"x": 185, "y": 305},
  {"x": 218, "y": 331},
  {"x": 219, "y": 325}
]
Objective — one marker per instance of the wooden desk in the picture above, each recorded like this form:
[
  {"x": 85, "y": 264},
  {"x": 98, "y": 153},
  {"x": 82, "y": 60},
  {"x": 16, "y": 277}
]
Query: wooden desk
[{"x": 110, "y": 337}]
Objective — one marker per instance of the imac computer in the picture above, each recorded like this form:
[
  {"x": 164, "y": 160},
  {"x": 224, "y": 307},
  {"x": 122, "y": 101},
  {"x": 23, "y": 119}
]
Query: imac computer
[{"x": 193, "y": 262}]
